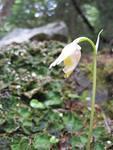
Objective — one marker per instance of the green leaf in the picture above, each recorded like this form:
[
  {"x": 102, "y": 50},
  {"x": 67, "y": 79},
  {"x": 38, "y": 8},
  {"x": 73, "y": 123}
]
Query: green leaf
[
  {"x": 42, "y": 141},
  {"x": 75, "y": 141},
  {"x": 36, "y": 104},
  {"x": 42, "y": 70},
  {"x": 98, "y": 132},
  {"x": 72, "y": 122},
  {"x": 78, "y": 141},
  {"x": 21, "y": 143},
  {"x": 24, "y": 112},
  {"x": 99, "y": 146},
  {"x": 24, "y": 144},
  {"x": 52, "y": 102},
  {"x": 53, "y": 99},
  {"x": 54, "y": 140},
  {"x": 83, "y": 139},
  {"x": 11, "y": 126},
  {"x": 55, "y": 85},
  {"x": 74, "y": 96}
]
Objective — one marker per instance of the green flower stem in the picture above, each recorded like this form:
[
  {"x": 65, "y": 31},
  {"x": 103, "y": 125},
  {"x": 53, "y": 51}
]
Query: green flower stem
[{"x": 84, "y": 39}]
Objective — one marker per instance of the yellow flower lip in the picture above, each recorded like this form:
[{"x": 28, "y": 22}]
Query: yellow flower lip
[{"x": 71, "y": 55}]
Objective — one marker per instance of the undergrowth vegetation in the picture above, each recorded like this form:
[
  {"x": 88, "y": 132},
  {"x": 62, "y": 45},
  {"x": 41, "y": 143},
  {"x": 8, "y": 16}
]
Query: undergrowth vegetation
[{"x": 39, "y": 109}]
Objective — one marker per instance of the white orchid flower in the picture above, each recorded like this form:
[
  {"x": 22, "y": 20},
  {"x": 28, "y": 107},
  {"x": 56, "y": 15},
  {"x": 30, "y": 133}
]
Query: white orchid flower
[{"x": 71, "y": 55}]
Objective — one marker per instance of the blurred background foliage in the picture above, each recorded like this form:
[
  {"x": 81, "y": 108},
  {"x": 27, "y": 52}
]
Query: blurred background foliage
[{"x": 33, "y": 13}]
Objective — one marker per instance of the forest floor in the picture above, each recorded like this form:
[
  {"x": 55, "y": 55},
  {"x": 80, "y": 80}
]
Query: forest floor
[{"x": 40, "y": 110}]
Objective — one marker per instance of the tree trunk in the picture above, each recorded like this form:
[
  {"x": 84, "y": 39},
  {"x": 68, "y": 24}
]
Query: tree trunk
[
  {"x": 86, "y": 21},
  {"x": 5, "y": 11}
]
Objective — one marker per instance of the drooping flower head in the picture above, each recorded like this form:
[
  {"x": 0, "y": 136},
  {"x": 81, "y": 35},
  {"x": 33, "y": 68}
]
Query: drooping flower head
[{"x": 71, "y": 55}]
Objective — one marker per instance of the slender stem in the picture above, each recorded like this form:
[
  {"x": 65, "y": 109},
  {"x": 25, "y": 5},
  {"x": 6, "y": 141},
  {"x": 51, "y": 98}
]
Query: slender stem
[
  {"x": 92, "y": 103},
  {"x": 83, "y": 39}
]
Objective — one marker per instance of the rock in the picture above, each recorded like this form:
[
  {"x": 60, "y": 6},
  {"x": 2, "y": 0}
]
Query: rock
[
  {"x": 82, "y": 81},
  {"x": 53, "y": 31},
  {"x": 101, "y": 96},
  {"x": 84, "y": 84}
]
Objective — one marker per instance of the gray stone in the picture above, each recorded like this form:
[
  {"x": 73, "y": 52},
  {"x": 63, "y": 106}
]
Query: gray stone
[
  {"x": 101, "y": 95},
  {"x": 53, "y": 31},
  {"x": 83, "y": 83}
]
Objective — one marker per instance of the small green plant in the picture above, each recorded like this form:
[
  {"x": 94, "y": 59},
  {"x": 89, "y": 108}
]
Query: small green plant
[{"x": 71, "y": 55}]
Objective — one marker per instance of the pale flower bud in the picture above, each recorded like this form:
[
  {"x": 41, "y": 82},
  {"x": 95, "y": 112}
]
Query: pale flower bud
[{"x": 71, "y": 55}]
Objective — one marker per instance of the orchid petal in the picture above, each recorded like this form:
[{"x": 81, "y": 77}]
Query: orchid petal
[
  {"x": 71, "y": 62},
  {"x": 67, "y": 51}
]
